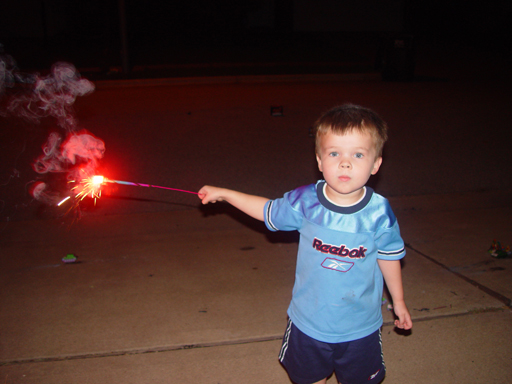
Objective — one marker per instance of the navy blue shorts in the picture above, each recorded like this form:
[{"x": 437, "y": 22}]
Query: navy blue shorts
[{"x": 308, "y": 360}]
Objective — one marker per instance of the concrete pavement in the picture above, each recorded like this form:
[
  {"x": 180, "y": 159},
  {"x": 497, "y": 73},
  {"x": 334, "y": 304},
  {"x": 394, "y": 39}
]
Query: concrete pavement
[
  {"x": 165, "y": 291},
  {"x": 200, "y": 295}
]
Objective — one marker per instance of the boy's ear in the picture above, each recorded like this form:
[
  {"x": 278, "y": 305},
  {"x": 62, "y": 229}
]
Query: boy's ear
[
  {"x": 319, "y": 161},
  {"x": 376, "y": 165}
]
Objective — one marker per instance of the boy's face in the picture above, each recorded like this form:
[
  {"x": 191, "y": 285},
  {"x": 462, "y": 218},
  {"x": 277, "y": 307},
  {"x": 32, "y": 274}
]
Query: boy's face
[{"x": 347, "y": 162}]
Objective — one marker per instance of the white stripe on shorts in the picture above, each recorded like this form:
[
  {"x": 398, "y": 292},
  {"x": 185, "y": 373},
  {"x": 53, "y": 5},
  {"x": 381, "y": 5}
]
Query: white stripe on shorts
[
  {"x": 381, "y": 350},
  {"x": 286, "y": 337}
]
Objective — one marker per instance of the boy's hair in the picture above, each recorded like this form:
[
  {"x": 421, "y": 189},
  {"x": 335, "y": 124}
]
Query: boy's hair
[{"x": 345, "y": 118}]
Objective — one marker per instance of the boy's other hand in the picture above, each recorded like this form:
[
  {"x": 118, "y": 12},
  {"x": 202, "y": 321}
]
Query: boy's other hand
[{"x": 404, "y": 317}]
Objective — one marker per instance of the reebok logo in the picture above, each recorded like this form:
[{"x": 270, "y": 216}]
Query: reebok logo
[
  {"x": 337, "y": 265},
  {"x": 341, "y": 250}
]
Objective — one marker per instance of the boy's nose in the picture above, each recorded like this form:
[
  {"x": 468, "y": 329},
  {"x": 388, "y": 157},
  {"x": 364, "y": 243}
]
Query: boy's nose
[{"x": 345, "y": 164}]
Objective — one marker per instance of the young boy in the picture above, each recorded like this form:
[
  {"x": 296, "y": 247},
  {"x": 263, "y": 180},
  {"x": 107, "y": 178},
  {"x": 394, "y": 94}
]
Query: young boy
[{"x": 349, "y": 242}]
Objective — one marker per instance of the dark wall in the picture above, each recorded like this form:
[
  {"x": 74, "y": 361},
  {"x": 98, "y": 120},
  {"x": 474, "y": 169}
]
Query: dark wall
[{"x": 30, "y": 29}]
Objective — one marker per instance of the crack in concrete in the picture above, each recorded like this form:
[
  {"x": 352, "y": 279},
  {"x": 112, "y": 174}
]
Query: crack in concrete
[
  {"x": 141, "y": 351},
  {"x": 180, "y": 347},
  {"x": 505, "y": 300}
]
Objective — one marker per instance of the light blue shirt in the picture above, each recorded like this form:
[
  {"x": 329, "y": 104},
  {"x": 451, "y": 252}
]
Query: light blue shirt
[{"x": 338, "y": 287}]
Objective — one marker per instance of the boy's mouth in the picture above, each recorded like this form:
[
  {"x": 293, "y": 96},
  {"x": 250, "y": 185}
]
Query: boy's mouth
[{"x": 344, "y": 178}]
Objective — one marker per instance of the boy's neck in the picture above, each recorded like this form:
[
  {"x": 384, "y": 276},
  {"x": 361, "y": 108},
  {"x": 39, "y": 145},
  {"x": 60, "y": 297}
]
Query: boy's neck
[{"x": 345, "y": 201}]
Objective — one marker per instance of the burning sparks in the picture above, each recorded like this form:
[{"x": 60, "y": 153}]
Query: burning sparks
[
  {"x": 91, "y": 187},
  {"x": 87, "y": 187},
  {"x": 63, "y": 201}
]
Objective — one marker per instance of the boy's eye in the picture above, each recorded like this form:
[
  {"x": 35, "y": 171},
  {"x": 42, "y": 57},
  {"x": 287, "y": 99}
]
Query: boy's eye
[
  {"x": 359, "y": 155},
  {"x": 333, "y": 154}
]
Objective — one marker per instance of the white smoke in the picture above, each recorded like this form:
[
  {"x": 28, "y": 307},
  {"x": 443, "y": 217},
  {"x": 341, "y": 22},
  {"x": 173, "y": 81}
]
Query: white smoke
[
  {"x": 74, "y": 152},
  {"x": 79, "y": 151},
  {"x": 52, "y": 95},
  {"x": 41, "y": 192}
]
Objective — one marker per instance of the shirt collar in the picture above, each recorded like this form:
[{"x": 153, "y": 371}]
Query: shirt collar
[{"x": 320, "y": 188}]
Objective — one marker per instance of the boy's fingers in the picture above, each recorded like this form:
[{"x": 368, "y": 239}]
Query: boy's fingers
[{"x": 403, "y": 324}]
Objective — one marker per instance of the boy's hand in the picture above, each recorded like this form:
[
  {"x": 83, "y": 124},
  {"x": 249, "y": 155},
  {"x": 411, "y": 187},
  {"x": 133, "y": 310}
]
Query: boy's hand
[
  {"x": 391, "y": 270},
  {"x": 250, "y": 204},
  {"x": 404, "y": 317},
  {"x": 209, "y": 194}
]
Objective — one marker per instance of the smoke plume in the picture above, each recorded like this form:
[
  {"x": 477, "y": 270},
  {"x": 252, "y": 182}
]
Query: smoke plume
[
  {"x": 52, "y": 95},
  {"x": 74, "y": 152},
  {"x": 80, "y": 151}
]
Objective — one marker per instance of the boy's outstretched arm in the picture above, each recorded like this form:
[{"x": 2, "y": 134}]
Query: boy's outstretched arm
[
  {"x": 249, "y": 204},
  {"x": 392, "y": 272}
]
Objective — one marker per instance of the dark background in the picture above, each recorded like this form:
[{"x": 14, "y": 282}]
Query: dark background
[
  {"x": 450, "y": 121},
  {"x": 87, "y": 33}
]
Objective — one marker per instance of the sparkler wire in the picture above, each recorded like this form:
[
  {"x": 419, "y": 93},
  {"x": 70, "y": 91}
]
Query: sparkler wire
[{"x": 148, "y": 186}]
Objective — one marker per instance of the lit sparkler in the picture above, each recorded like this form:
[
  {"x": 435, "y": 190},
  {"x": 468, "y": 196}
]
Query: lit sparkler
[{"x": 91, "y": 186}]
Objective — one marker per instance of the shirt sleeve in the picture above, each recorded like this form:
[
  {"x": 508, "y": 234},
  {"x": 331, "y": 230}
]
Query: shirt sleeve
[
  {"x": 280, "y": 215},
  {"x": 389, "y": 243}
]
